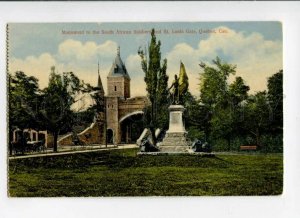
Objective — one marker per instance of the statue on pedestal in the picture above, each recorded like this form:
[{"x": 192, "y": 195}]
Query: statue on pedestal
[
  {"x": 175, "y": 138},
  {"x": 180, "y": 86},
  {"x": 175, "y": 92}
]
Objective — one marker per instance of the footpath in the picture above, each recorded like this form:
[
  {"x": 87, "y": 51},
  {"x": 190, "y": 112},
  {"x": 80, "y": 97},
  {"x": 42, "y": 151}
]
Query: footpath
[{"x": 73, "y": 150}]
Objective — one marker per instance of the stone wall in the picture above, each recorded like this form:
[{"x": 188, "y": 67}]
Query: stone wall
[
  {"x": 94, "y": 134},
  {"x": 131, "y": 105},
  {"x": 66, "y": 140}
]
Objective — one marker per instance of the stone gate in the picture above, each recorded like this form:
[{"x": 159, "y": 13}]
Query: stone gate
[{"x": 114, "y": 124}]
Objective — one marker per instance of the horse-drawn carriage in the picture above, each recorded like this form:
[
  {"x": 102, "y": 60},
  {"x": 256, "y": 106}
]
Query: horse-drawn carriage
[
  {"x": 23, "y": 146},
  {"x": 27, "y": 141}
]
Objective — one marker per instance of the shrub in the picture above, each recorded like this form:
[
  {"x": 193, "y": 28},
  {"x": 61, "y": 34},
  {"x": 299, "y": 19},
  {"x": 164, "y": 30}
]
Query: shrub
[
  {"x": 272, "y": 143},
  {"x": 194, "y": 133}
]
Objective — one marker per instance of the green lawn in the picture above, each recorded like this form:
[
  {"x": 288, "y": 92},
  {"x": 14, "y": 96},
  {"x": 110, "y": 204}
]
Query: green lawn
[{"x": 122, "y": 173}]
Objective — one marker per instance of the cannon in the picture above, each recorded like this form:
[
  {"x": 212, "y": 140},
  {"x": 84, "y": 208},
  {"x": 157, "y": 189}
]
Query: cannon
[
  {"x": 199, "y": 146},
  {"x": 147, "y": 146}
]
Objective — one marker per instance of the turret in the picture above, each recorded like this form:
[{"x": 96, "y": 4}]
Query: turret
[{"x": 118, "y": 80}]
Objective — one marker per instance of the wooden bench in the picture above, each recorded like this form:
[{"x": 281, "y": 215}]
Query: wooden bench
[{"x": 248, "y": 148}]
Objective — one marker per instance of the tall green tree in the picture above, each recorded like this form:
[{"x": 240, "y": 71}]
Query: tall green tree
[
  {"x": 58, "y": 98},
  {"x": 23, "y": 94},
  {"x": 238, "y": 91},
  {"x": 196, "y": 117},
  {"x": 23, "y": 101},
  {"x": 156, "y": 81},
  {"x": 214, "y": 95},
  {"x": 275, "y": 98},
  {"x": 161, "y": 109},
  {"x": 257, "y": 115},
  {"x": 238, "y": 95},
  {"x": 222, "y": 123},
  {"x": 213, "y": 82}
]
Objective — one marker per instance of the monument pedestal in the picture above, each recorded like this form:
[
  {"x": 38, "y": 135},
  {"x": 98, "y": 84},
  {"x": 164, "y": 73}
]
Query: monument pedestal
[{"x": 175, "y": 139}]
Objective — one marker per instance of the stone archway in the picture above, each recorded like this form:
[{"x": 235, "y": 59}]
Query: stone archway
[
  {"x": 131, "y": 127},
  {"x": 131, "y": 114}
]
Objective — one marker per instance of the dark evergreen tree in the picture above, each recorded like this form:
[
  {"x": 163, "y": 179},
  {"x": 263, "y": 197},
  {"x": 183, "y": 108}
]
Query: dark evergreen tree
[
  {"x": 156, "y": 81},
  {"x": 162, "y": 98}
]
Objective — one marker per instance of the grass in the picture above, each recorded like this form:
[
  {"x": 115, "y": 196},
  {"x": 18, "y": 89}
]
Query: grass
[{"x": 122, "y": 173}]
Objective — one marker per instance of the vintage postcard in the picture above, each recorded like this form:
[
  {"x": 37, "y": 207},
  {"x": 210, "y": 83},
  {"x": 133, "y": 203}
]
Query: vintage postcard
[{"x": 145, "y": 109}]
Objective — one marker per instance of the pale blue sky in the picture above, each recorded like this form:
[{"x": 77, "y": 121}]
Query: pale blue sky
[
  {"x": 256, "y": 48},
  {"x": 35, "y": 39}
]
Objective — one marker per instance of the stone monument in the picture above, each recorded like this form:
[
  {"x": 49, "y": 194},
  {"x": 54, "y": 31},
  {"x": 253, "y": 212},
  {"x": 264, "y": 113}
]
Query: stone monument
[{"x": 175, "y": 139}]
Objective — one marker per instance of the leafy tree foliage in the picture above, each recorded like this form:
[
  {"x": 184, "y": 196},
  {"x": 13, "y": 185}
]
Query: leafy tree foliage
[
  {"x": 257, "y": 115},
  {"x": 214, "y": 94},
  {"x": 238, "y": 95},
  {"x": 162, "y": 98},
  {"x": 275, "y": 98},
  {"x": 23, "y": 100},
  {"x": 238, "y": 91},
  {"x": 23, "y": 105},
  {"x": 213, "y": 83},
  {"x": 59, "y": 96},
  {"x": 232, "y": 114},
  {"x": 50, "y": 108},
  {"x": 197, "y": 116}
]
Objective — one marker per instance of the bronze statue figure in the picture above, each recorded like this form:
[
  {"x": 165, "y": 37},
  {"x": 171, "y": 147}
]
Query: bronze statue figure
[
  {"x": 180, "y": 86},
  {"x": 175, "y": 92}
]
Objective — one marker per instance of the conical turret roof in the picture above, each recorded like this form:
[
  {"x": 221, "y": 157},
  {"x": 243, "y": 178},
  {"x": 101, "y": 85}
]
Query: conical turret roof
[{"x": 118, "y": 68}]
